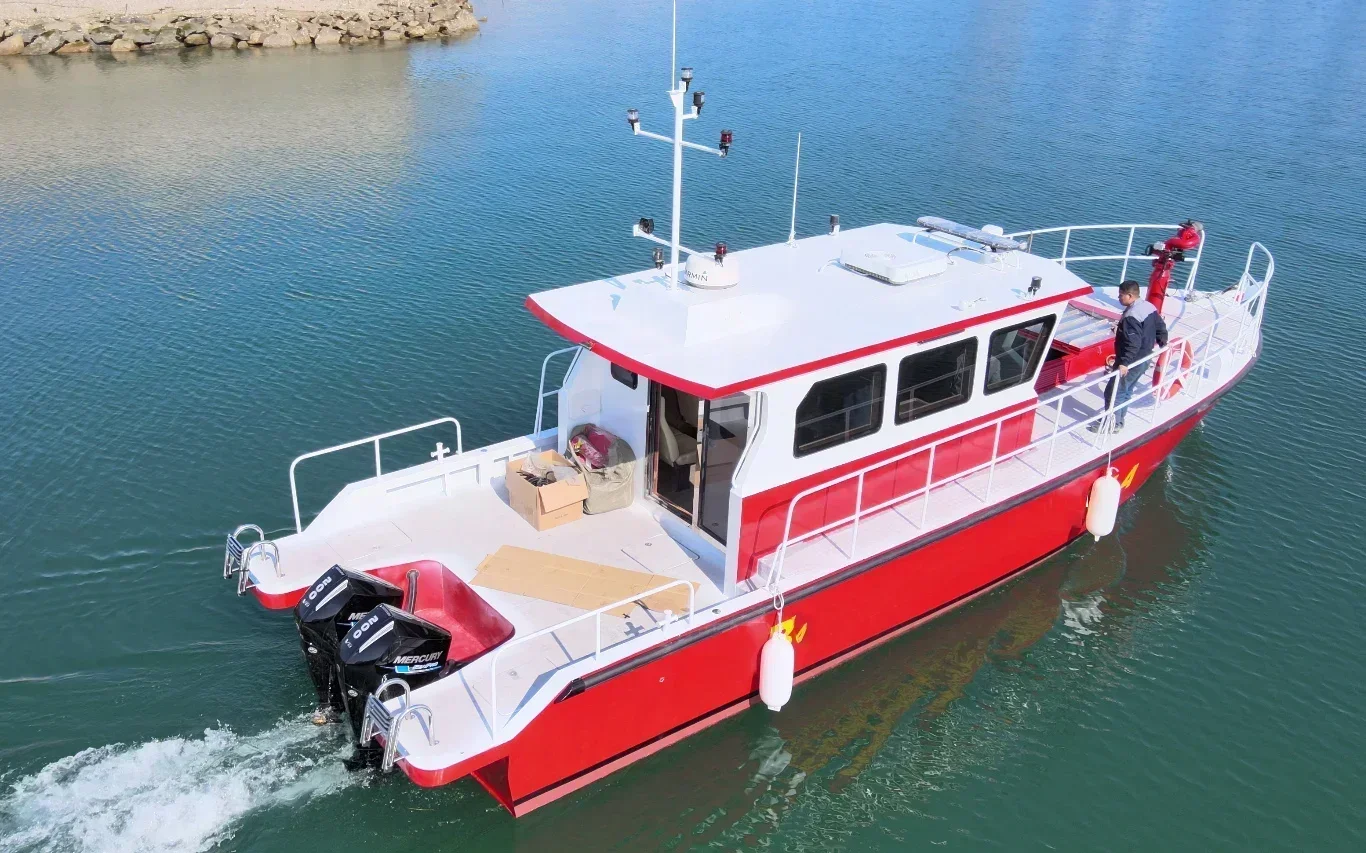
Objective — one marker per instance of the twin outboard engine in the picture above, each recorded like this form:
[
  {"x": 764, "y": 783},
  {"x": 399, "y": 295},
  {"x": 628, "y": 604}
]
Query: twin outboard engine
[
  {"x": 325, "y": 614},
  {"x": 387, "y": 642}
]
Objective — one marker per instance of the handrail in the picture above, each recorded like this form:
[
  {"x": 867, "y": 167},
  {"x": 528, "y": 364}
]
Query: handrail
[
  {"x": 596, "y": 615},
  {"x": 1066, "y": 231},
  {"x": 542, "y": 393},
  {"x": 1243, "y": 317},
  {"x": 376, "y": 439}
]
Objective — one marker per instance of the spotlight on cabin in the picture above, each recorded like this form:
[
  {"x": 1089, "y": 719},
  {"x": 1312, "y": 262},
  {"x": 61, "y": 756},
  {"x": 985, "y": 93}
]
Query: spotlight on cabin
[
  {"x": 646, "y": 226},
  {"x": 720, "y": 255},
  {"x": 659, "y": 257},
  {"x": 698, "y": 98},
  {"x": 727, "y": 137},
  {"x": 1035, "y": 284},
  {"x": 633, "y": 119},
  {"x": 686, "y": 77},
  {"x": 834, "y": 224}
]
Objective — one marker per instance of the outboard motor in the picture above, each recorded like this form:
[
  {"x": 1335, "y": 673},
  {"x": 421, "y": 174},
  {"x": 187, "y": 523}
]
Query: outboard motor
[
  {"x": 387, "y": 642},
  {"x": 325, "y": 614}
]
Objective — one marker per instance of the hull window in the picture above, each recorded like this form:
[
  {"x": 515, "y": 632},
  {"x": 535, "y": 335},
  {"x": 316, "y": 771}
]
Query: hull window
[
  {"x": 840, "y": 409},
  {"x": 1014, "y": 353},
  {"x": 935, "y": 380}
]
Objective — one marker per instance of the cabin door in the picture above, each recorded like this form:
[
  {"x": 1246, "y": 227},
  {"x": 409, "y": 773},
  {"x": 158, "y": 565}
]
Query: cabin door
[{"x": 695, "y": 446}]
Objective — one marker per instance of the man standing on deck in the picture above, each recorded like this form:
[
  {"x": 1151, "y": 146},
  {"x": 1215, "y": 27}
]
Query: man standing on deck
[{"x": 1140, "y": 328}]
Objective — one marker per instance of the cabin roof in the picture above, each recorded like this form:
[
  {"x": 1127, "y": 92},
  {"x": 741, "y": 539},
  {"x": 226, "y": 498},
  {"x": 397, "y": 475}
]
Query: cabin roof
[{"x": 796, "y": 308}]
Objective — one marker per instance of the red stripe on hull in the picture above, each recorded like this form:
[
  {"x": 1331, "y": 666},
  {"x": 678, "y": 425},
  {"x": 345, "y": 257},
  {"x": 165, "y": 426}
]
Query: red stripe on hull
[
  {"x": 641, "y": 706},
  {"x": 282, "y": 601}
]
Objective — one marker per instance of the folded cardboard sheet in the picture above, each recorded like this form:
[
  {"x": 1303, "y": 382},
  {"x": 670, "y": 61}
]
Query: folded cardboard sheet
[{"x": 577, "y": 583}]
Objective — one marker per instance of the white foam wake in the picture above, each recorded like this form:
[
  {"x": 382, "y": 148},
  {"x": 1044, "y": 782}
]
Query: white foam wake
[{"x": 177, "y": 794}]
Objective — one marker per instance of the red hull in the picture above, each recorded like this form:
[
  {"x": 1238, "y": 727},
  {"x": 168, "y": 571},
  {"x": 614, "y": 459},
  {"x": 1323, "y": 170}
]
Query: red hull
[{"x": 637, "y": 707}]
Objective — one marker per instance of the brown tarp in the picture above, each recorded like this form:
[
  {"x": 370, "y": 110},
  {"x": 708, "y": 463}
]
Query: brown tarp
[{"x": 578, "y": 583}]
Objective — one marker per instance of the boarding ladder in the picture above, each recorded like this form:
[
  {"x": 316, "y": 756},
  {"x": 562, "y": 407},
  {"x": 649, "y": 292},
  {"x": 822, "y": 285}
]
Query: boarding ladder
[
  {"x": 237, "y": 557},
  {"x": 379, "y": 720}
]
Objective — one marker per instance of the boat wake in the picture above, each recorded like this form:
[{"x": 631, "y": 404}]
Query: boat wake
[{"x": 177, "y": 794}]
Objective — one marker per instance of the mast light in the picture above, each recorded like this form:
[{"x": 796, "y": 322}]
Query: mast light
[
  {"x": 633, "y": 119},
  {"x": 727, "y": 137},
  {"x": 686, "y": 77},
  {"x": 697, "y": 100}
]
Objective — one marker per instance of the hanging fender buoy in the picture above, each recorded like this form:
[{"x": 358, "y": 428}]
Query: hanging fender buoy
[
  {"x": 777, "y": 662},
  {"x": 1103, "y": 505}
]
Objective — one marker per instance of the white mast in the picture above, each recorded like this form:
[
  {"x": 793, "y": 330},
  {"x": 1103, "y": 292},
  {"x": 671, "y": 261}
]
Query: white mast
[{"x": 679, "y": 87}]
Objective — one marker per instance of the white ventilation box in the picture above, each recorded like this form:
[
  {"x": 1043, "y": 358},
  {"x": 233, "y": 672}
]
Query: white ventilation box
[{"x": 901, "y": 264}]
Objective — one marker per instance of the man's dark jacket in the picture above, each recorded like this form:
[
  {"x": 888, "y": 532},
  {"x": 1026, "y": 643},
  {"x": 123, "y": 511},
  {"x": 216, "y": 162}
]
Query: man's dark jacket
[{"x": 1140, "y": 328}]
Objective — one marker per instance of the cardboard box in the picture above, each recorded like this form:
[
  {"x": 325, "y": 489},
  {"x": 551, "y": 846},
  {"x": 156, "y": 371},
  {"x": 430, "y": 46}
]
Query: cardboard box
[{"x": 547, "y": 506}]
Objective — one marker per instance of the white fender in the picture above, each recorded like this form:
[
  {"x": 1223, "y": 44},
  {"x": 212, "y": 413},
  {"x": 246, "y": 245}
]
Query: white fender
[
  {"x": 777, "y": 662},
  {"x": 1103, "y": 505}
]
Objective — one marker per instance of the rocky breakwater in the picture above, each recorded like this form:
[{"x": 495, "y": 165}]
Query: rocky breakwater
[{"x": 237, "y": 30}]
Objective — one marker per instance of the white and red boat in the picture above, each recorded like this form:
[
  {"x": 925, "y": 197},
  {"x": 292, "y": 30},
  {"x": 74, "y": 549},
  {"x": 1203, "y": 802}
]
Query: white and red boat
[{"x": 836, "y": 438}]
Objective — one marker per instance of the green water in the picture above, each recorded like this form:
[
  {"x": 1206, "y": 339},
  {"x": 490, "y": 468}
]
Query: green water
[{"x": 211, "y": 264}]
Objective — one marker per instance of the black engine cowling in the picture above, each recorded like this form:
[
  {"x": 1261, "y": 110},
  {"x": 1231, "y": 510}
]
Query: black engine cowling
[
  {"x": 327, "y": 611},
  {"x": 388, "y": 642}
]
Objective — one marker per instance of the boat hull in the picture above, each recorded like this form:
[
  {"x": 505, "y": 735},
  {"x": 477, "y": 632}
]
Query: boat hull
[{"x": 637, "y": 707}]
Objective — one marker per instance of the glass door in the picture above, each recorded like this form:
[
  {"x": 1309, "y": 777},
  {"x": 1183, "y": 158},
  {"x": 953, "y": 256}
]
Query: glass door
[{"x": 724, "y": 433}]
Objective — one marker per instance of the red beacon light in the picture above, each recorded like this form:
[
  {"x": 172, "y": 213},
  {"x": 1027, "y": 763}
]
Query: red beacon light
[
  {"x": 721, "y": 253},
  {"x": 727, "y": 137}
]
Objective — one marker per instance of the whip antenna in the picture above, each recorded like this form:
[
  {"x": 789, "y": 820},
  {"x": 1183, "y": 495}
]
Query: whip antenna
[{"x": 796, "y": 172}]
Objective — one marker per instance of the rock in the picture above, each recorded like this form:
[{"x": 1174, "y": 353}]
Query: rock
[
  {"x": 244, "y": 45},
  {"x": 138, "y": 35},
  {"x": 166, "y": 39},
  {"x": 70, "y": 47},
  {"x": 278, "y": 40},
  {"x": 357, "y": 30},
  {"x": 122, "y": 45},
  {"x": 12, "y": 46},
  {"x": 257, "y": 38},
  {"x": 43, "y": 45},
  {"x": 102, "y": 35},
  {"x": 310, "y": 29},
  {"x": 222, "y": 41},
  {"x": 416, "y": 32},
  {"x": 463, "y": 22},
  {"x": 372, "y": 33},
  {"x": 237, "y": 31},
  {"x": 327, "y": 37},
  {"x": 301, "y": 39},
  {"x": 28, "y": 34},
  {"x": 196, "y": 39}
]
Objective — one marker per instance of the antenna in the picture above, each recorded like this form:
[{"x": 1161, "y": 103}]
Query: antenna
[
  {"x": 796, "y": 172},
  {"x": 680, "y": 83}
]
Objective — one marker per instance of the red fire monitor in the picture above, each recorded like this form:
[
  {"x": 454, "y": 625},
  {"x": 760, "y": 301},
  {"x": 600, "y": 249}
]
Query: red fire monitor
[{"x": 1166, "y": 255}]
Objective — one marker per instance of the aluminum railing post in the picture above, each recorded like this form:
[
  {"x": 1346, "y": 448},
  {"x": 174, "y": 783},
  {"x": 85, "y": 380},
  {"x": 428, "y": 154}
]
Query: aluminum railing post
[
  {"x": 378, "y": 469},
  {"x": 858, "y": 509},
  {"x": 1053, "y": 438},
  {"x": 1066, "y": 241},
  {"x": 1128, "y": 250},
  {"x": 929, "y": 487},
  {"x": 995, "y": 451}
]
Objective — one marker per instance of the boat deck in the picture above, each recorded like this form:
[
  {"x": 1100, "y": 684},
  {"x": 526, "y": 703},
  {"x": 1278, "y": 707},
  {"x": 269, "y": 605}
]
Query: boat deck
[{"x": 1064, "y": 411}]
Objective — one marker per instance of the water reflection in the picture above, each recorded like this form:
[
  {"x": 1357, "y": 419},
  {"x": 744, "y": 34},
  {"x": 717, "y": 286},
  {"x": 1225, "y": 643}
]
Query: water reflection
[{"x": 898, "y": 709}]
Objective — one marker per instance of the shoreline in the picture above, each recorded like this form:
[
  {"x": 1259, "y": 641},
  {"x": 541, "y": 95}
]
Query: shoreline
[{"x": 330, "y": 23}]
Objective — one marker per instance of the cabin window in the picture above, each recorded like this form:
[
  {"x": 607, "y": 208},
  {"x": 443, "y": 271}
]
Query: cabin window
[
  {"x": 934, "y": 380},
  {"x": 1013, "y": 354},
  {"x": 625, "y": 377},
  {"x": 840, "y": 409}
]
